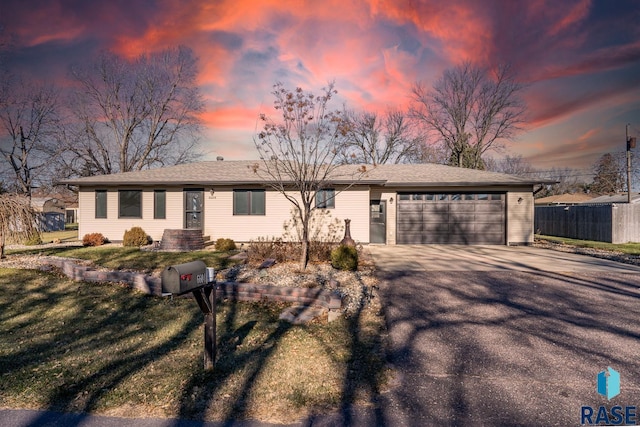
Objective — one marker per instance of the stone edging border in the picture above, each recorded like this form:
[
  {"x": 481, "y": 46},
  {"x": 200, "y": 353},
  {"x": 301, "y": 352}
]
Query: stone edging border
[{"x": 321, "y": 298}]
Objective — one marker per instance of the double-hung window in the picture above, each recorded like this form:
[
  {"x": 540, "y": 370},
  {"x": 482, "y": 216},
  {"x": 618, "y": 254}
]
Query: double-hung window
[
  {"x": 326, "y": 199},
  {"x": 159, "y": 204},
  {"x": 248, "y": 202},
  {"x": 130, "y": 204},
  {"x": 101, "y": 203}
]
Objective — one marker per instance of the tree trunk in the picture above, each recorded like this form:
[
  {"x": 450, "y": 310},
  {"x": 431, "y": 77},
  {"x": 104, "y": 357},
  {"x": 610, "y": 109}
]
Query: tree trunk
[{"x": 304, "y": 256}]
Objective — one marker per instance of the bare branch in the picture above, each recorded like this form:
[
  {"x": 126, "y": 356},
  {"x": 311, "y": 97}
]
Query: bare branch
[
  {"x": 298, "y": 151},
  {"x": 468, "y": 110},
  {"x": 134, "y": 115},
  {"x": 371, "y": 139}
]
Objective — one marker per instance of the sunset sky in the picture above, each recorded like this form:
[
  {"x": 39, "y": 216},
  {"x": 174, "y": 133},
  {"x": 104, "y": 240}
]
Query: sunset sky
[{"x": 580, "y": 59}]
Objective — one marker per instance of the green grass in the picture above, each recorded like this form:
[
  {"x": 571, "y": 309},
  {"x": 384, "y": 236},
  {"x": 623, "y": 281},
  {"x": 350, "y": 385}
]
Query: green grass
[
  {"x": 105, "y": 349},
  {"x": 627, "y": 248},
  {"x": 118, "y": 258},
  {"x": 63, "y": 236}
]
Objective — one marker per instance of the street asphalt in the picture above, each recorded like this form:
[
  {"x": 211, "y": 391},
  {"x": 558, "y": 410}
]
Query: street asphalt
[{"x": 493, "y": 336}]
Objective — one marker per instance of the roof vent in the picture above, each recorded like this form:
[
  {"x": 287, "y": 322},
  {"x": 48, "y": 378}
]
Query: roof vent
[{"x": 219, "y": 158}]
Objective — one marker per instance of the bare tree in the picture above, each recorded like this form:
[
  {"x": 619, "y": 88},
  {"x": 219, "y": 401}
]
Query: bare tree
[
  {"x": 569, "y": 180},
  {"x": 610, "y": 174},
  {"x": 512, "y": 165},
  {"x": 373, "y": 139},
  {"x": 468, "y": 110},
  {"x": 133, "y": 115},
  {"x": 18, "y": 220},
  {"x": 28, "y": 129},
  {"x": 298, "y": 152}
]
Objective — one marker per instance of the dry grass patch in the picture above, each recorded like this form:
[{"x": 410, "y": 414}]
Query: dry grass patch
[{"x": 72, "y": 346}]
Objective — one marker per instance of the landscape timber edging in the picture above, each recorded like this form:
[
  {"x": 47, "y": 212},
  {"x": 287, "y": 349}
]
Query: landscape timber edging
[{"x": 323, "y": 298}]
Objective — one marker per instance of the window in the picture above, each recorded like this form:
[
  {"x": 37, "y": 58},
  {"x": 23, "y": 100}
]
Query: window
[
  {"x": 159, "y": 204},
  {"x": 496, "y": 197},
  {"x": 130, "y": 204},
  {"x": 101, "y": 203},
  {"x": 248, "y": 202},
  {"x": 326, "y": 199},
  {"x": 469, "y": 196}
]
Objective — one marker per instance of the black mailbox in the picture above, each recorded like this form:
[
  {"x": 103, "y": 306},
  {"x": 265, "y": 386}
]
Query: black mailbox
[{"x": 182, "y": 278}]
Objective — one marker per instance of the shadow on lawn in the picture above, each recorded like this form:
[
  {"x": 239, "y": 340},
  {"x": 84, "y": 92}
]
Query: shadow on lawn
[
  {"x": 364, "y": 369},
  {"x": 106, "y": 326}
]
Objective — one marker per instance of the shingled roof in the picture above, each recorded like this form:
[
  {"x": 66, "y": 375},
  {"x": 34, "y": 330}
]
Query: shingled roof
[{"x": 243, "y": 172}]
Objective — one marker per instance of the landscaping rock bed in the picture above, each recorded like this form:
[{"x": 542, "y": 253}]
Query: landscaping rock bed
[{"x": 597, "y": 253}]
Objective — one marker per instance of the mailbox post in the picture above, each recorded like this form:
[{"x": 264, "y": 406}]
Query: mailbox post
[{"x": 192, "y": 277}]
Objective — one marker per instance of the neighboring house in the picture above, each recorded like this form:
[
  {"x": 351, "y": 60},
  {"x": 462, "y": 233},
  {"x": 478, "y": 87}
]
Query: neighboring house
[
  {"x": 392, "y": 204},
  {"x": 566, "y": 199},
  {"x": 52, "y": 212},
  {"x": 613, "y": 198}
]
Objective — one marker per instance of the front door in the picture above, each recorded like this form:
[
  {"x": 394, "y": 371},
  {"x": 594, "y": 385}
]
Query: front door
[
  {"x": 193, "y": 203},
  {"x": 378, "y": 221}
]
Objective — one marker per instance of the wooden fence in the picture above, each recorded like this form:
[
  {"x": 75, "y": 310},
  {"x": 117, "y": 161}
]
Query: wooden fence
[{"x": 613, "y": 223}]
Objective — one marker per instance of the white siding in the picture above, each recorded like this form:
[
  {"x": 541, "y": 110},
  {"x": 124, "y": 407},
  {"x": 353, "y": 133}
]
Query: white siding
[
  {"x": 520, "y": 209},
  {"x": 113, "y": 228},
  {"x": 220, "y": 221}
]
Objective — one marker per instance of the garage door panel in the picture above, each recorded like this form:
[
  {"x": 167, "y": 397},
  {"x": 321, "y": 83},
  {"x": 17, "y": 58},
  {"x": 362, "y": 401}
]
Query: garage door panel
[
  {"x": 489, "y": 207},
  {"x": 445, "y": 239},
  {"x": 435, "y": 209},
  {"x": 409, "y": 207},
  {"x": 461, "y": 217},
  {"x": 409, "y": 226},
  {"x": 436, "y": 227},
  {"x": 410, "y": 238},
  {"x": 462, "y": 227}
]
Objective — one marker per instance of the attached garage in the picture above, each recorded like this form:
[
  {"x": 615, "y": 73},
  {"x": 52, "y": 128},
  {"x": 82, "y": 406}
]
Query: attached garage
[{"x": 451, "y": 218}]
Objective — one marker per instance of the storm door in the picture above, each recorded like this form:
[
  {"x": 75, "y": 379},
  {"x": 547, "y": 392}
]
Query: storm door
[
  {"x": 377, "y": 221},
  {"x": 193, "y": 207}
]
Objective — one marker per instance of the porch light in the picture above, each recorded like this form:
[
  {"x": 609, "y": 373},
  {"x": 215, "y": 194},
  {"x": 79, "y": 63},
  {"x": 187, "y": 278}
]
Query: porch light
[{"x": 390, "y": 200}]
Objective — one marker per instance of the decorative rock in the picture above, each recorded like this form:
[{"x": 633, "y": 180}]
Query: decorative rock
[
  {"x": 240, "y": 256},
  {"x": 300, "y": 315},
  {"x": 269, "y": 262},
  {"x": 333, "y": 315}
]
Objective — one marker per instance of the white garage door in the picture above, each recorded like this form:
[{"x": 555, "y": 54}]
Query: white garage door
[{"x": 453, "y": 218}]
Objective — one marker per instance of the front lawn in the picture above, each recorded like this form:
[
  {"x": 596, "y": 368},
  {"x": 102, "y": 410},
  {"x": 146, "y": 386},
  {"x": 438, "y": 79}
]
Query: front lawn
[
  {"x": 72, "y": 346},
  {"x": 118, "y": 257}
]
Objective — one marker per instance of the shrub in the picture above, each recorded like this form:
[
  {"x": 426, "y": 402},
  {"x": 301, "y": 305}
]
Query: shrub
[
  {"x": 135, "y": 237},
  {"x": 344, "y": 258},
  {"x": 94, "y": 239},
  {"x": 33, "y": 240},
  {"x": 264, "y": 247},
  {"x": 224, "y": 245}
]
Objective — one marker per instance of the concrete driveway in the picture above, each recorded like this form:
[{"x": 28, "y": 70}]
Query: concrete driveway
[
  {"x": 505, "y": 336},
  {"x": 487, "y": 258}
]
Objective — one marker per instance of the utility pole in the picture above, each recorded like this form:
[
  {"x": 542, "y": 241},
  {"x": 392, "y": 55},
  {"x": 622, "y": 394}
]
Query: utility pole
[{"x": 631, "y": 143}]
